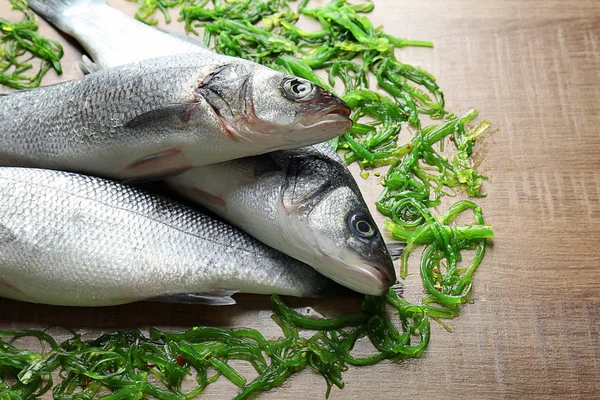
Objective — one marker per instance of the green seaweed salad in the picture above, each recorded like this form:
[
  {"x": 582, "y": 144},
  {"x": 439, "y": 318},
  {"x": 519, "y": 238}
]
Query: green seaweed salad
[
  {"x": 350, "y": 54},
  {"x": 25, "y": 55}
]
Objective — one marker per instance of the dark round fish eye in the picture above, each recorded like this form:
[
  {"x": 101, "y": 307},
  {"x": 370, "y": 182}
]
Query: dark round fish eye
[
  {"x": 298, "y": 89},
  {"x": 361, "y": 225}
]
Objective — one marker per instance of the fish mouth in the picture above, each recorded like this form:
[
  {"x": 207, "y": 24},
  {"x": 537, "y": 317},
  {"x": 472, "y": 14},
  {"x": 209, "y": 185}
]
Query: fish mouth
[
  {"x": 341, "y": 109},
  {"x": 338, "y": 111},
  {"x": 345, "y": 266},
  {"x": 362, "y": 277},
  {"x": 337, "y": 115},
  {"x": 373, "y": 280}
]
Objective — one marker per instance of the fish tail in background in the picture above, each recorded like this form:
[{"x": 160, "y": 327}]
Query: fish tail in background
[
  {"x": 59, "y": 12},
  {"x": 108, "y": 35}
]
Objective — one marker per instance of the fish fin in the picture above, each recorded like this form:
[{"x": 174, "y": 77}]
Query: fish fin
[
  {"x": 156, "y": 166},
  {"x": 395, "y": 249},
  {"x": 179, "y": 113},
  {"x": 11, "y": 292},
  {"x": 219, "y": 298},
  {"x": 54, "y": 11},
  {"x": 87, "y": 66}
]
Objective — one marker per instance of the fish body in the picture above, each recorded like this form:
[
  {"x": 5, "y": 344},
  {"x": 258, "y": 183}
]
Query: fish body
[
  {"x": 146, "y": 117},
  {"x": 303, "y": 202},
  {"x": 74, "y": 240}
]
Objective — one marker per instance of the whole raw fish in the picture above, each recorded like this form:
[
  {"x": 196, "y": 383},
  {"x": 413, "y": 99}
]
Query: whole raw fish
[
  {"x": 160, "y": 117},
  {"x": 74, "y": 240}
]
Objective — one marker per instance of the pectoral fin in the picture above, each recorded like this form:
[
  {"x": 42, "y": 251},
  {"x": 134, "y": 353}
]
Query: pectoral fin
[
  {"x": 172, "y": 113},
  {"x": 156, "y": 166},
  {"x": 214, "y": 299},
  {"x": 11, "y": 292}
]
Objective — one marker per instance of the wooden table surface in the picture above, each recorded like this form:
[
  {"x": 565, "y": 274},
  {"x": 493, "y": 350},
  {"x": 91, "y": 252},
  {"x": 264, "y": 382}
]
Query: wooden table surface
[{"x": 533, "y": 69}]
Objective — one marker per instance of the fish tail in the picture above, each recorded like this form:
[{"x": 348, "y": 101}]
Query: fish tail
[{"x": 59, "y": 12}]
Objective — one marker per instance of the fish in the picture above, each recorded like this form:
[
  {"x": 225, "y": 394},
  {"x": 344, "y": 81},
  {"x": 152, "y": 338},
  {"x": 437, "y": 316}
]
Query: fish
[
  {"x": 75, "y": 240},
  {"x": 162, "y": 116},
  {"x": 303, "y": 202}
]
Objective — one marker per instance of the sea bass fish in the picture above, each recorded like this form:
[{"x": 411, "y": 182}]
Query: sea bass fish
[
  {"x": 159, "y": 117},
  {"x": 303, "y": 202},
  {"x": 74, "y": 240}
]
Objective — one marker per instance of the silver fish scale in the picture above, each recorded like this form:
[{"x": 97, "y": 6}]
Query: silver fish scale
[
  {"x": 39, "y": 128},
  {"x": 68, "y": 239}
]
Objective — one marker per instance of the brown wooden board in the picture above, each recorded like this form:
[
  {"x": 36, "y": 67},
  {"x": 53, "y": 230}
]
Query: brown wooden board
[{"x": 533, "y": 69}]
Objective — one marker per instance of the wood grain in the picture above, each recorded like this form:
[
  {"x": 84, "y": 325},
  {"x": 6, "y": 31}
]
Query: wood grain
[{"x": 533, "y": 69}]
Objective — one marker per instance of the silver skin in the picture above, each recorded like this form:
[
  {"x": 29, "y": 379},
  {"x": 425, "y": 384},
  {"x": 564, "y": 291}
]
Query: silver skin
[
  {"x": 159, "y": 117},
  {"x": 300, "y": 202},
  {"x": 74, "y": 240}
]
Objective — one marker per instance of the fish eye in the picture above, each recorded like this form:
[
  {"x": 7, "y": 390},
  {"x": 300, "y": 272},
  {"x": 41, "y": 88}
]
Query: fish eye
[
  {"x": 361, "y": 225},
  {"x": 298, "y": 89}
]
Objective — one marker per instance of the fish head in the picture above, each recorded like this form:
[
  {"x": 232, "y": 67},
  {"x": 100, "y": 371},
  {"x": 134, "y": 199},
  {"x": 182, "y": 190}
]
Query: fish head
[
  {"x": 324, "y": 215},
  {"x": 265, "y": 107},
  {"x": 298, "y": 109}
]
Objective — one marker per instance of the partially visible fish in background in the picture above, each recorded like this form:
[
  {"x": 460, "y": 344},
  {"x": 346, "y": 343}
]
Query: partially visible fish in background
[
  {"x": 110, "y": 37},
  {"x": 303, "y": 202},
  {"x": 75, "y": 240}
]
